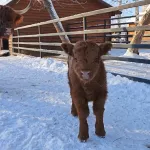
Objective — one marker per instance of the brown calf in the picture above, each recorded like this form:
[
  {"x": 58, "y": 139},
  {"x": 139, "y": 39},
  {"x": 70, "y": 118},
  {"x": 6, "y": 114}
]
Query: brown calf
[
  {"x": 87, "y": 80},
  {"x": 8, "y": 20}
]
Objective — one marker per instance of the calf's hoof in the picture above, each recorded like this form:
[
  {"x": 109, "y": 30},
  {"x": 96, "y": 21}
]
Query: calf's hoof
[
  {"x": 83, "y": 137},
  {"x": 100, "y": 133},
  {"x": 74, "y": 113}
]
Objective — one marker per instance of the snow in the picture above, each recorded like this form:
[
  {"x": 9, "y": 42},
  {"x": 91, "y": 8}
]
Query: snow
[
  {"x": 4, "y": 2},
  {"x": 130, "y": 54},
  {"x": 35, "y": 109},
  {"x": 138, "y": 70},
  {"x": 143, "y": 54},
  {"x": 132, "y": 69},
  {"x": 3, "y": 52}
]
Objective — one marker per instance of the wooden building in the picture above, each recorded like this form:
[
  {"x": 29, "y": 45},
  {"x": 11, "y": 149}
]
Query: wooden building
[
  {"x": 146, "y": 36},
  {"x": 64, "y": 8}
]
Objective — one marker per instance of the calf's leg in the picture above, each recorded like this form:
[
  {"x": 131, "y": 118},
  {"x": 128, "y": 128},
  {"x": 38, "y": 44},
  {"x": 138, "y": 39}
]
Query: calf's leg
[
  {"x": 73, "y": 109},
  {"x": 98, "y": 108},
  {"x": 81, "y": 105}
]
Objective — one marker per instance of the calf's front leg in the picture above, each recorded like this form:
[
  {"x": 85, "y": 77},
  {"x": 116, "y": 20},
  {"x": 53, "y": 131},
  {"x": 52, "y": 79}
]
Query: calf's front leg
[
  {"x": 74, "y": 110},
  {"x": 82, "y": 108},
  {"x": 98, "y": 108}
]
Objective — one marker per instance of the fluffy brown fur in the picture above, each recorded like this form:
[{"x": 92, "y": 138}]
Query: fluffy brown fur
[
  {"x": 87, "y": 80},
  {"x": 8, "y": 20}
]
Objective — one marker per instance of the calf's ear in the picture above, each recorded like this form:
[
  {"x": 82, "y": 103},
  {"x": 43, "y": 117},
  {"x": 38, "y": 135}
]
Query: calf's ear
[
  {"x": 68, "y": 48},
  {"x": 18, "y": 19},
  {"x": 105, "y": 47}
]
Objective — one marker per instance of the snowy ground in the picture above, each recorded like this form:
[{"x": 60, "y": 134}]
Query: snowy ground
[
  {"x": 3, "y": 52},
  {"x": 145, "y": 54},
  {"x": 35, "y": 109},
  {"x": 129, "y": 68}
]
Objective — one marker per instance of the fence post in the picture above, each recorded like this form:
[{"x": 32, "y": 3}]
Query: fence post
[
  {"x": 18, "y": 40},
  {"x": 39, "y": 29},
  {"x": 10, "y": 44},
  {"x": 127, "y": 38},
  {"x": 0, "y": 44},
  {"x": 84, "y": 28},
  {"x": 104, "y": 28}
]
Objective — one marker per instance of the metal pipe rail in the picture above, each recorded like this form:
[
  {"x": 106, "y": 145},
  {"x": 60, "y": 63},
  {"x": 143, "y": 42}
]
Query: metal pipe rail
[
  {"x": 136, "y": 60},
  {"x": 126, "y": 59},
  {"x": 41, "y": 50},
  {"x": 136, "y": 79},
  {"x": 37, "y": 43},
  {"x": 101, "y": 20},
  {"x": 124, "y": 29},
  {"x": 101, "y": 25},
  {"x": 143, "y": 46}
]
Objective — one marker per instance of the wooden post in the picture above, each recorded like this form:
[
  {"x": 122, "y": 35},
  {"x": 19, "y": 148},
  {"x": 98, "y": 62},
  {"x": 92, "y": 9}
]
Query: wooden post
[
  {"x": 104, "y": 28},
  {"x": 138, "y": 35},
  {"x": 18, "y": 40},
  {"x": 84, "y": 28},
  {"x": 10, "y": 40},
  {"x": 119, "y": 15},
  {"x": 39, "y": 30},
  {"x": 137, "y": 15},
  {"x": 0, "y": 44},
  {"x": 127, "y": 37}
]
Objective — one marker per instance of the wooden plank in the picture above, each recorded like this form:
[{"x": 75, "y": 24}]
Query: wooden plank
[
  {"x": 124, "y": 29},
  {"x": 91, "y": 13},
  {"x": 84, "y": 27},
  {"x": 136, "y": 60}
]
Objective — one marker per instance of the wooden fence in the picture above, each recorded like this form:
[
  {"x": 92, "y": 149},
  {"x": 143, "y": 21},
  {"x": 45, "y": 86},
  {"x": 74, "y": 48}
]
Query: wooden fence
[{"x": 84, "y": 32}]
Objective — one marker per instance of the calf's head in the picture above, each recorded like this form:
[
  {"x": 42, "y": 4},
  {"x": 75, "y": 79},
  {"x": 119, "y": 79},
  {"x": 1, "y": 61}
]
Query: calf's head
[
  {"x": 8, "y": 20},
  {"x": 86, "y": 57}
]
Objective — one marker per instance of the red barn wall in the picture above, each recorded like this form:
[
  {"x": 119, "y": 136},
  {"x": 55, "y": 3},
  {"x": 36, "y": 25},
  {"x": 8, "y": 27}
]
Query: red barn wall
[{"x": 64, "y": 8}]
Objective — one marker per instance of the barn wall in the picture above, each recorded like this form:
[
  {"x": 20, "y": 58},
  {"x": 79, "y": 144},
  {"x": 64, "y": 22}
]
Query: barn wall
[
  {"x": 144, "y": 39},
  {"x": 64, "y": 8}
]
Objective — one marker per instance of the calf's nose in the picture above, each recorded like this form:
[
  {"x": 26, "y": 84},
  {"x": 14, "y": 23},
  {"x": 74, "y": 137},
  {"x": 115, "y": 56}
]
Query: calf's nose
[{"x": 85, "y": 74}]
